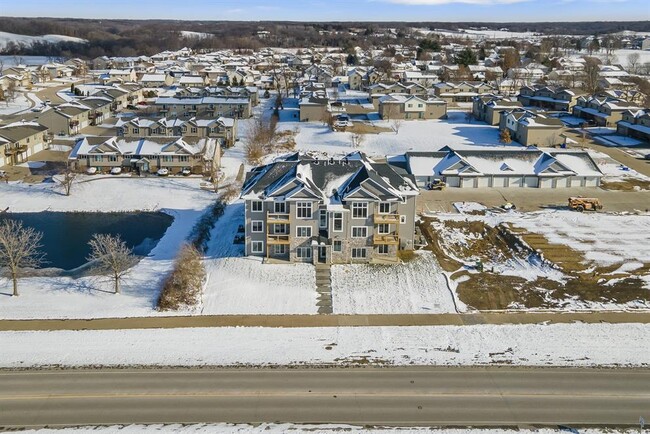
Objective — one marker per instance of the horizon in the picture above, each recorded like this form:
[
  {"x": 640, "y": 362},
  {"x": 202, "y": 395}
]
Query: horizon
[{"x": 448, "y": 11}]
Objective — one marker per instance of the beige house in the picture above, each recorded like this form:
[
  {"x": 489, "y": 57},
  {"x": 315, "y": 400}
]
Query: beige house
[
  {"x": 635, "y": 124},
  {"x": 488, "y": 108},
  {"x": 303, "y": 209},
  {"x": 398, "y": 106},
  {"x": 376, "y": 91},
  {"x": 314, "y": 107},
  {"x": 532, "y": 128},
  {"x": 193, "y": 128},
  {"x": 21, "y": 140},
  {"x": 461, "y": 92},
  {"x": 64, "y": 119},
  {"x": 604, "y": 111},
  {"x": 210, "y": 106},
  {"x": 548, "y": 97},
  {"x": 145, "y": 155}
]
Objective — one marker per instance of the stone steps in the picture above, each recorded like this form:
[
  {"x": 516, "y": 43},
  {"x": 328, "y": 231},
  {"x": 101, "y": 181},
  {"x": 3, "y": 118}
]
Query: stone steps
[{"x": 324, "y": 288}]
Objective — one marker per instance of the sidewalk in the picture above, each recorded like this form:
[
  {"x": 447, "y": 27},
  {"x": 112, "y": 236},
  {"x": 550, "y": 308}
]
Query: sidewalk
[{"x": 293, "y": 321}]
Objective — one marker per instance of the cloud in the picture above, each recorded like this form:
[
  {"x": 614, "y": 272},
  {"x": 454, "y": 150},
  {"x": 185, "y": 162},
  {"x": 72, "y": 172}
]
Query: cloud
[{"x": 443, "y": 2}]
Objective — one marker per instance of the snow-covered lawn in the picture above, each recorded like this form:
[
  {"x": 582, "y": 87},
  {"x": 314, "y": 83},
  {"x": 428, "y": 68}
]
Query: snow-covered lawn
[
  {"x": 616, "y": 140},
  {"x": 531, "y": 345},
  {"x": 415, "y": 135},
  {"x": 612, "y": 169},
  {"x": 244, "y": 285},
  {"x": 416, "y": 286},
  {"x": 64, "y": 297},
  {"x": 20, "y": 104}
]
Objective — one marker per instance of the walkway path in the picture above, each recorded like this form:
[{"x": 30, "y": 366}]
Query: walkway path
[
  {"x": 290, "y": 321},
  {"x": 324, "y": 288}
]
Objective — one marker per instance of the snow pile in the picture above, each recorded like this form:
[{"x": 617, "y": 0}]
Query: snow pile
[
  {"x": 529, "y": 345},
  {"x": 416, "y": 286},
  {"x": 469, "y": 207}
]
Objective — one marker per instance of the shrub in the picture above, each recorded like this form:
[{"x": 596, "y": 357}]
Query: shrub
[
  {"x": 254, "y": 153},
  {"x": 183, "y": 286}
]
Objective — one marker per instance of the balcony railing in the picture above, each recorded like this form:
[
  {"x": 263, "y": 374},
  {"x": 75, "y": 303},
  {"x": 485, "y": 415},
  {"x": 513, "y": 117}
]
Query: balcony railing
[
  {"x": 278, "y": 239},
  {"x": 280, "y": 218},
  {"x": 385, "y": 239},
  {"x": 12, "y": 150},
  {"x": 386, "y": 218}
]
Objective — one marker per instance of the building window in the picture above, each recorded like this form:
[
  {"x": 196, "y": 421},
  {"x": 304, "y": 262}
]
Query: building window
[
  {"x": 112, "y": 158},
  {"x": 193, "y": 130},
  {"x": 359, "y": 253},
  {"x": 359, "y": 210},
  {"x": 257, "y": 246},
  {"x": 322, "y": 219},
  {"x": 280, "y": 207},
  {"x": 383, "y": 249},
  {"x": 98, "y": 158},
  {"x": 168, "y": 158},
  {"x": 303, "y": 252},
  {"x": 280, "y": 229},
  {"x": 257, "y": 226},
  {"x": 256, "y": 206},
  {"x": 384, "y": 208},
  {"x": 136, "y": 130},
  {"x": 402, "y": 219},
  {"x": 383, "y": 229},
  {"x": 338, "y": 222},
  {"x": 303, "y": 231},
  {"x": 280, "y": 249},
  {"x": 338, "y": 246},
  {"x": 359, "y": 231},
  {"x": 183, "y": 158},
  {"x": 303, "y": 210}
]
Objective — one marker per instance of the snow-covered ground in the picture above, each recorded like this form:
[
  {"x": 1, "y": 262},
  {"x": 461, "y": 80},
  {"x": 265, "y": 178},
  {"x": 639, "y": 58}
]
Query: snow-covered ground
[
  {"x": 21, "y": 103},
  {"x": 613, "y": 170},
  {"x": 244, "y": 285},
  {"x": 530, "y": 345},
  {"x": 417, "y": 286},
  {"x": 25, "y": 40},
  {"x": 269, "y": 428},
  {"x": 420, "y": 135},
  {"x": 64, "y": 297}
]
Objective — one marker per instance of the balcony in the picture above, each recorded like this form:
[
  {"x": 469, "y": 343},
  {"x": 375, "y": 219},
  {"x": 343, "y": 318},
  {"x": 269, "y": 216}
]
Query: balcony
[
  {"x": 13, "y": 150},
  {"x": 385, "y": 239},
  {"x": 278, "y": 239},
  {"x": 277, "y": 218},
  {"x": 391, "y": 219}
]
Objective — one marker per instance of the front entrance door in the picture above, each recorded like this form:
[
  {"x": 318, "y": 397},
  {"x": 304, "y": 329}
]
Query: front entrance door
[{"x": 322, "y": 254}]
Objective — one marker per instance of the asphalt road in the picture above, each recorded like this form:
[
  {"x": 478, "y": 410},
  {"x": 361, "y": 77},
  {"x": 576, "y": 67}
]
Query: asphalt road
[{"x": 495, "y": 396}]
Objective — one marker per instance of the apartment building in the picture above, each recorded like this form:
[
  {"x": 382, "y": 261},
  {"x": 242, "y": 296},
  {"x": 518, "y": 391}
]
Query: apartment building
[
  {"x": 604, "y": 111},
  {"x": 306, "y": 209},
  {"x": 20, "y": 140},
  {"x": 548, "y": 97},
  {"x": 635, "y": 124},
  {"x": 220, "y": 128},
  {"x": 488, "y": 108},
  {"x": 532, "y": 128}
]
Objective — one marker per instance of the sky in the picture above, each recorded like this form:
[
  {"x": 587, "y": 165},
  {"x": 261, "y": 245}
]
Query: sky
[{"x": 336, "y": 10}]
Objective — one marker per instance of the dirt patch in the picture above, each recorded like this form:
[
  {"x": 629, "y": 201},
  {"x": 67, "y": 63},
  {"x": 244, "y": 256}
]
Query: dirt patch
[
  {"x": 366, "y": 128},
  {"x": 631, "y": 184}
]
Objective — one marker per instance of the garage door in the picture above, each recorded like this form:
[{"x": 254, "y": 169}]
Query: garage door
[
  {"x": 483, "y": 181},
  {"x": 531, "y": 182},
  {"x": 422, "y": 181},
  {"x": 499, "y": 181},
  {"x": 563, "y": 183},
  {"x": 515, "y": 182},
  {"x": 452, "y": 181},
  {"x": 546, "y": 183},
  {"x": 38, "y": 148},
  {"x": 468, "y": 182},
  {"x": 591, "y": 181}
]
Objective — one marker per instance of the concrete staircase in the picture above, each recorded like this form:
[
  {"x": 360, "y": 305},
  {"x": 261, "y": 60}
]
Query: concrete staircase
[{"x": 324, "y": 288}]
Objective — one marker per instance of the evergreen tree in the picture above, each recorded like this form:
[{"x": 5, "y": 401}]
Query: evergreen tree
[{"x": 466, "y": 57}]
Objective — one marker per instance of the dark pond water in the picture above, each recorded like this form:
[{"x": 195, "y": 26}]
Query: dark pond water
[{"x": 66, "y": 235}]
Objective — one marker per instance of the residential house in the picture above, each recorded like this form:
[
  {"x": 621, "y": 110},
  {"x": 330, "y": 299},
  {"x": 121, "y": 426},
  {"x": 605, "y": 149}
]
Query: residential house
[
  {"x": 211, "y": 106},
  {"x": 488, "y": 108},
  {"x": 602, "y": 110},
  {"x": 305, "y": 209},
  {"x": 531, "y": 128},
  {"x": 399, "y": 106},
  {"x": 548, "y": 97},
  {"x": 65, "y": 119},
  {"x": 156, "y": 80},
  {"x": 461, "y": 92},
  {"x": 314, "y": 107},
  {"x": 220, "y": 128},
  {"x": 145, "y": 155},
  {"x": 20, "y": 140},
  {"x": 635, "y": 124}
]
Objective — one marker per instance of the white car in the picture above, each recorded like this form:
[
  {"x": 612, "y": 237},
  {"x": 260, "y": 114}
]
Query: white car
[
  {"x": 162, "y": 172},
  {"x": 186, "y": 172},
  {"x": 91, "y": 170},
  {"x": 116, "y": 170}
]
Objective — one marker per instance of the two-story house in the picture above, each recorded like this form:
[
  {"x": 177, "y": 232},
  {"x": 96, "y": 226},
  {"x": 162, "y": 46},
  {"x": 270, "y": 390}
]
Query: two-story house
[
  {"x": 548, "y": 97},
  {"x": 488, "y": 108},
  {"x": 305, "y": 209},
  {"x": 399, "y": 106},
  {"x": 635, "y": 124},
  {"x": 531, "y": 128}
]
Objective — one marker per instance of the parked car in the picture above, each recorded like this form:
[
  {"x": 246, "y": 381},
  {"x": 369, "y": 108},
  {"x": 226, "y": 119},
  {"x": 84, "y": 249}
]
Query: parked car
[
  {"x": 162, "y": 172},
  {"x": 647, "y": 156},
  {"x": 91, "y": 170},
  {"x": 186, "y": 172},
  {"x": 37, "y": 108},
  {"x": 116, "y": 170},
  {"x": 131, "y": 107}
]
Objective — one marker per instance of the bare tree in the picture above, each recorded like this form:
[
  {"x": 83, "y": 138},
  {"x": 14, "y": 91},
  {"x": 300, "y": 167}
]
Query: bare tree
[
  {"x": 19, "y": 249},
  {"x": 10, "y": 92},
  {"x": 356, "y": 139},
  {"x": 112, "y": 256},
  {"x": 633, "y": 62},
  {"x": 68, "y": 179},
  {"x": 391, "y": 113}
]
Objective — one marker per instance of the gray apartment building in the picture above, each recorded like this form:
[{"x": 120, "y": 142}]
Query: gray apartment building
[{"x": 302, "y": 208}]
